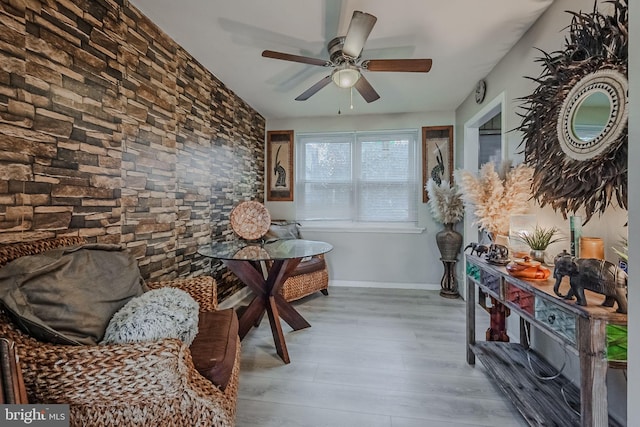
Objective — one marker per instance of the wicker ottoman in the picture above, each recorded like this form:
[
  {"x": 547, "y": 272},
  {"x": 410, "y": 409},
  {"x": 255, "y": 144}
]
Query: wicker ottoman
[{"x": 310, "y": 276}]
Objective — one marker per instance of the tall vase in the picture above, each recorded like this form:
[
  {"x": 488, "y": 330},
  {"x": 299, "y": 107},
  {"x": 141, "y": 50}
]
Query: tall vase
[{"x": 449, "y": 243}]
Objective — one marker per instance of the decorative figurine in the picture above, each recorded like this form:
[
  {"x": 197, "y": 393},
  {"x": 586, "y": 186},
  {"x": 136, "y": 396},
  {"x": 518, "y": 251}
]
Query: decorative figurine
[
  {"x": 592, "y": 274},
  {"x": 478, "y": 248},
  {"x": 498, "y": 254}
]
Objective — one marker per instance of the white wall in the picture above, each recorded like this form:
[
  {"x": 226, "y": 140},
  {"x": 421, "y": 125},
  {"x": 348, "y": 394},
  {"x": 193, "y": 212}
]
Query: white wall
[
  {"x": 397, "y": 258},
  {"x": 508, "y": 77},
  {"x": 507, "y": 80}
]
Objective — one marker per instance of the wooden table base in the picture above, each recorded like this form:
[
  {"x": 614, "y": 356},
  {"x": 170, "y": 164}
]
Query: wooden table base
[{"x": 267, "y": 298}]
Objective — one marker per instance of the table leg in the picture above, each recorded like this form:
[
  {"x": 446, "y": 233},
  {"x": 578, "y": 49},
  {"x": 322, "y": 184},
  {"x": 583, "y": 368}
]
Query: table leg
[
  {"x": 268, "y": 299},
  {"x": 251, "y": 316},
  {"x": 278, "y": 274},
  {"x": 289, "y": 314},
  {"x": 471, "y": 321},
  {"x": 525, "y": 327},
  {"x": 592, "y": 337},
  {"x": 276, "y": 330}
]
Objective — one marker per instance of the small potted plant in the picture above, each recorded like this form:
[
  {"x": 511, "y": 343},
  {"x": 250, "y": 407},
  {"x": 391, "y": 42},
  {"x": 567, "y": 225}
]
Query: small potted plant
[{"x": 539, "y": 240}]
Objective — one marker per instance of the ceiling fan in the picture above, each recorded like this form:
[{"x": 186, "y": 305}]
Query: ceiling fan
[{"x": 344, "y": 54}]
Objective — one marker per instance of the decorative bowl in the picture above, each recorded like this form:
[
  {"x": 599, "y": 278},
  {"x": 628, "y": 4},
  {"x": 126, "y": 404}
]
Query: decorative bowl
[{"x": 528, "y": 269}]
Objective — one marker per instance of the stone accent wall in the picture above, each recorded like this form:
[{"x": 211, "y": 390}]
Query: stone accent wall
[{"x": 112, "y": 131}]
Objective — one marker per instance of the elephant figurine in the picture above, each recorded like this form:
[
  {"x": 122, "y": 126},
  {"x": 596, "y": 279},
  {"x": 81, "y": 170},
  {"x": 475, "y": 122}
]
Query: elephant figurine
[
  {"x": 498, "y": 254},
  {"x": 478, "y": 248},
  {"x": 595, "y": 275},
  {"x": 498, "y": 251}
]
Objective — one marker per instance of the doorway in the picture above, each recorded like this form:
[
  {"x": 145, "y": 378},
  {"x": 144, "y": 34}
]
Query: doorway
[
  {"x": 487, "y": 126},
  {"x": 490, "y": 141}
]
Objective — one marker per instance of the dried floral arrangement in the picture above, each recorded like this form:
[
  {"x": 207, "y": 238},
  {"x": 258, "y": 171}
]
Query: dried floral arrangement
[
  {"x": 595, "y": 42},
  {"x": 493, "y": 196},
  {"x": 445, "y": 202}
]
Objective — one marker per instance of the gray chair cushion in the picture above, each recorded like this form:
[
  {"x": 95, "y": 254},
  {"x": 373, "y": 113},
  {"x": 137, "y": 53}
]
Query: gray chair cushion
[{"x": 279, "y": 230}]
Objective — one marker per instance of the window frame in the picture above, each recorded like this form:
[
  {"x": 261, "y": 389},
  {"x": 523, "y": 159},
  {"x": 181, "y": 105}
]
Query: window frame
[{"x": 356, "y": 140}]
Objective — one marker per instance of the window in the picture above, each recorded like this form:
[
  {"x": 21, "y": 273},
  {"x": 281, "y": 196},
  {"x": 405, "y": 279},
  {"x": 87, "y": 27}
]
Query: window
[{"x": 357, "y": 176}]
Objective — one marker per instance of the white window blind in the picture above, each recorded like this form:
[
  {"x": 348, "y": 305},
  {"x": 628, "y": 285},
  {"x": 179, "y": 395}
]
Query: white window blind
[{"x": 357, "y": 176}]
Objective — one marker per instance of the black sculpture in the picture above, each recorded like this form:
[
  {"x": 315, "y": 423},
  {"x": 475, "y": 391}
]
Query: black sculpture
[
  {"x": 477, "y": 248},
  {"x": 498, "y": 254},
  {"x": 595, "y": 275},
  {"x": 437, "y": 171},
  {"x": 279, "y": 171}
]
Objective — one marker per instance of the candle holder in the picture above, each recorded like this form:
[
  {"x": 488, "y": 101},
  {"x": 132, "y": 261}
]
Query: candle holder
[{"x": 591, "y": 247}]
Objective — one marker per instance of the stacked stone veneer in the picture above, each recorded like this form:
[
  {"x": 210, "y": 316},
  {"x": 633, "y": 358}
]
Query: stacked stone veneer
[{"x": 110, "y": 130}]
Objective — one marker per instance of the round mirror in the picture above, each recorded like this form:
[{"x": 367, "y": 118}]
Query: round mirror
[{"x": 591, "y": 116}]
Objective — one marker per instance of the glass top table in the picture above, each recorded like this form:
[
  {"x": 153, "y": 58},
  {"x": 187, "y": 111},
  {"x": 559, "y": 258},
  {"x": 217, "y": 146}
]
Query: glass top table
[
  {"x": 264, "y": 267},
  {"x": 267, "y": 251}
]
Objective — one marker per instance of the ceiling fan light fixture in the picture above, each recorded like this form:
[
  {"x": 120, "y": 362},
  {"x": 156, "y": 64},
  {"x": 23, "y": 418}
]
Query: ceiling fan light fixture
[{"x": 345, "y": 76}]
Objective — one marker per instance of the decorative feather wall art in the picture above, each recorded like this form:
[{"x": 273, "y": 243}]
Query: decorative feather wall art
[{"x": 579, "y": 164}]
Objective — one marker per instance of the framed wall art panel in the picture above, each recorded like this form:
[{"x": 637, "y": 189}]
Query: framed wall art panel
[
  {"x": 437, "y": 155},
  {"x": 280, "y": 165}
]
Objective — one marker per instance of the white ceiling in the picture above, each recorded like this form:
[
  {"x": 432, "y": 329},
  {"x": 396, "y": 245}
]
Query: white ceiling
[{"x": 465, "y": 39}]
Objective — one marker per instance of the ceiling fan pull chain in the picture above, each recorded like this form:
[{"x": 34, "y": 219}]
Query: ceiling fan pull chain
[{"x": 351, "y": 89}]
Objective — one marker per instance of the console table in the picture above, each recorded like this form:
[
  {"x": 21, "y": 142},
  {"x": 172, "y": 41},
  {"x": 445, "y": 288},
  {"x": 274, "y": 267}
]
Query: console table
[{"x": 596, "y": 334}]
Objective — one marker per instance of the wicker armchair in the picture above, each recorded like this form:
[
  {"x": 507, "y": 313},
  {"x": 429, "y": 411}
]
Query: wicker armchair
[{"x": 142, "y": 384}]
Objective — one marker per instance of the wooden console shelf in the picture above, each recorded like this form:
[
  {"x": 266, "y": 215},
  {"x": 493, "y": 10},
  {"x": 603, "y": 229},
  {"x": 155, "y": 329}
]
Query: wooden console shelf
[
  {"x": 536, "y": 399},
  {"x": 597, "y": 335}
]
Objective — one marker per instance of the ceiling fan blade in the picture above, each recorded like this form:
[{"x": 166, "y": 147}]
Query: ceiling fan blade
[
  {"x": 295, "y": 58},
  {"x": 405, "y": 65},
  {"x": 314, "y": 89},
  {"x": 366, "y": 90},
  {"x": 359, "y": 29}
]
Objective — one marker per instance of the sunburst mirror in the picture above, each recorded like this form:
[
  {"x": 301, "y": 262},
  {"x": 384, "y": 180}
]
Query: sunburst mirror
[{"x": 575, "y": 122}]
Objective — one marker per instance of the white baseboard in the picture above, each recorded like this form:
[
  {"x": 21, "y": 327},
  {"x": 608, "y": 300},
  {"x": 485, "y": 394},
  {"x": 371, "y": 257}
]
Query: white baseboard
[
  {"x": 387, "y": 285},
  {"x": 244, "y": 293}
]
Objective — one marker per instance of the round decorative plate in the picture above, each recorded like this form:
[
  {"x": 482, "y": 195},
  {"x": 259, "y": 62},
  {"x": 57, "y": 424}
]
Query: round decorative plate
[{"x": 250, "y": 220}]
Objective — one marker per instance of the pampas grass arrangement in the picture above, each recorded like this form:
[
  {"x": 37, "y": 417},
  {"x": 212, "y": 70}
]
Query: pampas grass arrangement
[
  {"x": 445, "y": 202},
  {"x": 493, "y": 196}
]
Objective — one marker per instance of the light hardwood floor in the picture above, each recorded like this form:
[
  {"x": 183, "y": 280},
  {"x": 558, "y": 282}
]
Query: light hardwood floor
[{"x": 372, "y": 358}]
